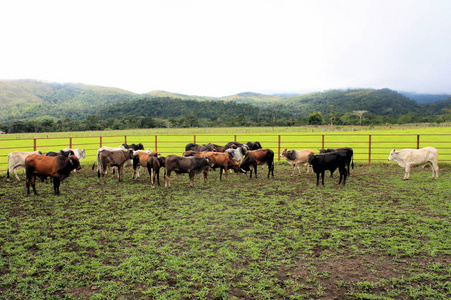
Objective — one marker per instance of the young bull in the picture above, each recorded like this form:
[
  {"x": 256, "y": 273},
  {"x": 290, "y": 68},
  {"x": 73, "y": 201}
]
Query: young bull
[
  {"x": 258, "y": 157},
  {"x": 191, "y": 165},
  {"x": 153, "y": 165},
  {"x": 114, "y": 158},
  {"x": 328, "y": 161},
  {"x": 296, "y": 158},
  {"x": 407, "y": 158},
  {"x": 57, "y": 167},
  {"x": 220, "y": 160}
]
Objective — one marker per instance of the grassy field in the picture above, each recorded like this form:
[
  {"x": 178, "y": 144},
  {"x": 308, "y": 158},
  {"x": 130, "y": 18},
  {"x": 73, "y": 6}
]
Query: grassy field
[
  {"x": 378, "y": 237},
  {"x": 173, "y": 141}
]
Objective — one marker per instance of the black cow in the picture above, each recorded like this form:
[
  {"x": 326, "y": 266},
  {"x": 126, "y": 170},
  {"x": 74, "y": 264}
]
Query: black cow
[
  {"x": 328, "y": 161},
  {"x": 195, "y": 147},
  {"x": 254, "y": 146},
  {"x": 133, "y": 146},
  {"x": 191, "y": 165},
  {"x": 60, "y": 153},
  {"x": 258, "y": 157},
  {"x": 349, "y": 156}
]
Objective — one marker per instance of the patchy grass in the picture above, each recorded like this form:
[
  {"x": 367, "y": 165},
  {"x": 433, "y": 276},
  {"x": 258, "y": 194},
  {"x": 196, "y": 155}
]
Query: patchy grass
[{"x": 378, "y": 237}]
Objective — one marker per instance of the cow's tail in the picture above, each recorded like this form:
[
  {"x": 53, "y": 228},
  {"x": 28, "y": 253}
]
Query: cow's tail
[
  {"x": 7, "y": 171},
  {"x": 93, "y": 165}
]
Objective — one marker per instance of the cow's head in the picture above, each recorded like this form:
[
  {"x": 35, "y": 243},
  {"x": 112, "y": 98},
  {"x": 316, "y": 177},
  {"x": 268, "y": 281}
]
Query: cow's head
[
  {"x": 311, "y": 159},
  {"x": 392, "y": 154},
  {"x": 284, "y": 152},
  {"x": 322, "y": 150},
  {"x": 140, "y": 147},
  {"x": 73, "y": 160},
  {"x": 244, "y": 149},
  {"x": 209, "y": 162}
]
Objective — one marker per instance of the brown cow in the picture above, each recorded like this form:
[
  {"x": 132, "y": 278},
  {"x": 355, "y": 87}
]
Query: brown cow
[
  {"x": 140, "y": 160},
  {"x": 258, "y": 157},
  {"x": 191, "y": 165},
  {"x": 57, "y": 167},
  {"x": 220, "y": 160},
  {"x": 114, "y": 158},
  {"x": 154, "y": 164}
]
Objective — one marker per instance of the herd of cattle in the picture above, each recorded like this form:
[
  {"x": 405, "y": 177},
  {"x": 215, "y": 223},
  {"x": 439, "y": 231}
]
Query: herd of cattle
[{"x": 234, "y": 156}]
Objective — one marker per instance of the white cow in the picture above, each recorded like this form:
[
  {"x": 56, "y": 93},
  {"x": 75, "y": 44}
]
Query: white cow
[
  {"x": 407, "y": 158},
  {"x": 79, "y": 153},
  {"x": 238, "y": 153},
  {"x": 296, "y": 158},
  {"x": 16, "y": 160}
]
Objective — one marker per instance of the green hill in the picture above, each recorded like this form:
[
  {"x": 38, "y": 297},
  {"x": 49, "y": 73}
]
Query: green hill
[
  {"x": 24, "y": 99},
  {"x": 30, "y": 99}
]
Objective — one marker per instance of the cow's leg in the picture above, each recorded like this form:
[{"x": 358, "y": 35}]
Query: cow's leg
[
  {"x": 152, "y": 178},
  {"x": 191, "y": 179},
  {"x": 322, "y": 177},
  {"x": 56, "y": 186},
  {"x": 28, "y": 183},
  {"x": 157, "y": 171},
  {"x": 255, "y": 170},
  {"x": 119, "y": 172},
  {"x": 221, "y": 169},
  {"x": 407, "y": 172},
  {"x": 205, "y": 174},
  {"x": 31, "y": 180},
  {"x": 167, "y": 176},
  {"x": 434, "y": 170},
  {"x": 317, "y": 178},
  {"x": 15, "y": 174}
]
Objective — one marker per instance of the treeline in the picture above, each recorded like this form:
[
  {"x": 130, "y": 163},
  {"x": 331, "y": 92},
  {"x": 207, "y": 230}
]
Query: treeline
[{"x": 93, "y": 122}]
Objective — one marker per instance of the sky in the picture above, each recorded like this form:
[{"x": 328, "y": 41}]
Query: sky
[{"x": 221, "y": 48}]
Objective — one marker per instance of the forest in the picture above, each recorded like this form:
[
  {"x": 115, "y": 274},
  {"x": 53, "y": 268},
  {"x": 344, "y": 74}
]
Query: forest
[{"x": 28, "y": 106}]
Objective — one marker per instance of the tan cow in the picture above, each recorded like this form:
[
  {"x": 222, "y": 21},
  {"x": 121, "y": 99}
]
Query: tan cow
[{"x": 296, "y": 158}]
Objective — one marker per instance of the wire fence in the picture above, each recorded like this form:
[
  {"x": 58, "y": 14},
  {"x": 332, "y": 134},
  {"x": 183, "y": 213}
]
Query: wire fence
[{"x": 367, "y": 148}]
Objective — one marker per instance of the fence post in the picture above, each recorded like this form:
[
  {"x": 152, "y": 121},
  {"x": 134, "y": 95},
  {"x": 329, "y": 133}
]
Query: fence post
[
  {"x": 34, "y": 144},
  {"x": 418, "y": 141},
  {"x": 194, "y": 139},
  {"x": 278, "y": 156},
  {"x": 156, "y": 143},
  {"x": 125, "y": 139},
  {"x": 70, "y": 142},
  {"x": 235, "y": 138},
  {"x": 369, "y": 149},
  {"x": 100, "y": 142},
  {"x": 322, "y": 143}
]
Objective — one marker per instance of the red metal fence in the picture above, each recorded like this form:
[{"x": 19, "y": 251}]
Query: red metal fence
[{"x": 367, "y": 148}]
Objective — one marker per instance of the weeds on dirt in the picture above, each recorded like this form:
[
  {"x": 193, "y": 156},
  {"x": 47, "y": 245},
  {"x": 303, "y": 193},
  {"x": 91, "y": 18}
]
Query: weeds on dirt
[{"x": 378, "y": 237}]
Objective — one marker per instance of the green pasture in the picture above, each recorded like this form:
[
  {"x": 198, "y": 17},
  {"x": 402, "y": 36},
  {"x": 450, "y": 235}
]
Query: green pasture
[
  {"x": 173, "y": 141},
  {"x": 377, "y": 237}
]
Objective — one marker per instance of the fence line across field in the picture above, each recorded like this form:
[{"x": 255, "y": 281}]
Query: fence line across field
[{"x": 367, "y": 148}]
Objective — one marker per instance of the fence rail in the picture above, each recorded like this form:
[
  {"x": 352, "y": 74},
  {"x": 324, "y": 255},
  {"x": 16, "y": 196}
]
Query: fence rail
[{"x": 367, "y": 148}]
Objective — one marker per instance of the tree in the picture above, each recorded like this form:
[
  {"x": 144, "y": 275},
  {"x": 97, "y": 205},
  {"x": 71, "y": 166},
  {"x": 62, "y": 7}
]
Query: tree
[
  {"x": 360, "y": 114},
  {"x": 315, "y": 118}
]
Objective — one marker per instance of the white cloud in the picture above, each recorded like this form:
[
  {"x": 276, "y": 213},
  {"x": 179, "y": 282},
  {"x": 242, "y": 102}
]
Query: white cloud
[{"x": 219, "y": 48}]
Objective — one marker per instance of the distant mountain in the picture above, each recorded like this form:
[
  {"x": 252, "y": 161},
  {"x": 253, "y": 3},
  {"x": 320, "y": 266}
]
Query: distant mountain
[
  {"x": 425, "y": 98},
  {"x": 22, "y": 99},
  {"x": 29, "y": 99}
]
